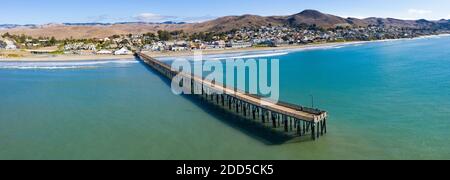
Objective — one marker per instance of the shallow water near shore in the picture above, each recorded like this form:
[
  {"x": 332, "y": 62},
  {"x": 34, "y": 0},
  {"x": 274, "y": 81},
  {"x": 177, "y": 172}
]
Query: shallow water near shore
[{"x": 387, "y": 100}]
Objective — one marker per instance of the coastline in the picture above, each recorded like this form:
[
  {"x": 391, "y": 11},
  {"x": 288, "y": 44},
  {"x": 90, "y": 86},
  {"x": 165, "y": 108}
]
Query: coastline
[
  {"x": 245, "y": 50},
  {"x": 281, "y": 48},
  {"x": 63, "y": 58}
]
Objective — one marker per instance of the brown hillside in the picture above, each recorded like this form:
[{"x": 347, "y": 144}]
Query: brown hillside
[
  {"x": 223, "y": 24},
  {"x": 315, "y": 17}
]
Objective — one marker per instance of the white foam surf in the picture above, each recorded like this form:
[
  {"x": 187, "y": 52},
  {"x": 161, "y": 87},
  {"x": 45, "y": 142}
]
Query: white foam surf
[
  {"x": 61, "y": 65},
  {"x": 47, "y": 67},
  {"x": 253, "y": 56}
]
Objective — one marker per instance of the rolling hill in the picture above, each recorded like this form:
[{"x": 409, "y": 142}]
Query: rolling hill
[{"x": 223, "y": 24}]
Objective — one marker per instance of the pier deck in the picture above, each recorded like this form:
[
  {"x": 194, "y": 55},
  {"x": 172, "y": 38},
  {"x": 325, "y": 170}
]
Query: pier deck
[{"x": 291, "y": 120}]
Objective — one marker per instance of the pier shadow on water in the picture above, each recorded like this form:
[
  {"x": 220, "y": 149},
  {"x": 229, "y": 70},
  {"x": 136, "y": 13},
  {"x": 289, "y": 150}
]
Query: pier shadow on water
[{"x": 248, "y": 127}]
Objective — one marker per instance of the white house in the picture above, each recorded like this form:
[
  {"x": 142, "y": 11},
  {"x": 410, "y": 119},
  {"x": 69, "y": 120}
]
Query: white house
[
  {"x": 123, "y": 51},
  {"x": 220, "y": 44},
  {"x": 10, "y": 45},
  {"x": 239, "y": 44},
  {"x": 104, "y": 52},
  {"x": 169, "y": 43},
  {"x": 156, "y": 46},
  {"x": 178, "y": 48},
  {"x": 181, "y": 43}
]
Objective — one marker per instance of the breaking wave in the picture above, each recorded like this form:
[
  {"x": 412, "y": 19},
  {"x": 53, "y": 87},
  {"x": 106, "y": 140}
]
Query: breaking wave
[
  {"x": 252, "y": 56},
  {"x": 62, "y": 65}
]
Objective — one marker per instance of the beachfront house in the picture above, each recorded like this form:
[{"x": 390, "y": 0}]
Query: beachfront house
[
  {"x": 41, "y": 51},
  {"x": 179, "y": 48},
  {"x": 169, "y": 43},
  {"x": 280, "y": 42},
  {"x": 181, "y": 43},
  {"x": 147, "y": 47},
  {"x": 104, "y": 52},
  {"x": 156, "y": 46},
  {"x": 80, "y": 46},
  {"x": 84, "y": 52},
  {"x": 9, "y": 45},
  {"x": 215, "y": 45},
  {"x": 123, "y": 51},
  {"x": 239, "y": 44},
  {"x": 220, "y": 44}
]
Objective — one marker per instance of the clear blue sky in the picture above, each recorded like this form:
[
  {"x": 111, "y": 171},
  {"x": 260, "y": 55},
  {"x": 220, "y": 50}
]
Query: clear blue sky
[{"x": 57, "y": 11}]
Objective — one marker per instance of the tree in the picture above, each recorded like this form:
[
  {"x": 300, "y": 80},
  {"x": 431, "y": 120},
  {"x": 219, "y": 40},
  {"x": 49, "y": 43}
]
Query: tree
[
  {"x": 6, "y": 35},
  {"x": 125, "y": 42},
  {"x": 148, "y": 38},
  {"x": 164, "y": 35},
  {"x": 22, "y": 38},
  {"x": 52, "y": 41},
  {"x": 150, "y": 35}
]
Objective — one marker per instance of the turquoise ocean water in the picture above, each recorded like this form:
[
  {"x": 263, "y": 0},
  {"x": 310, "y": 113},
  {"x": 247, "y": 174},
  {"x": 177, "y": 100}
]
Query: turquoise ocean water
[{"x": 387, "y": 100}]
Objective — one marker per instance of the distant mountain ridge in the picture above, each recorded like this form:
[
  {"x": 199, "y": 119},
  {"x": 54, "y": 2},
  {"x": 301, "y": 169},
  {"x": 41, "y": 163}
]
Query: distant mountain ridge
[
  {"x": 12, "y": 26},
  {"x": 222, "y": 24}
]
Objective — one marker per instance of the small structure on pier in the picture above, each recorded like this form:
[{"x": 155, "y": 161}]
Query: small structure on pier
[{"x": 289, "y": 119}]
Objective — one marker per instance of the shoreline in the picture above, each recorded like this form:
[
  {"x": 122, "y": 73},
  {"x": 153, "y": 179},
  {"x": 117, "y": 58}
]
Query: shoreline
[
  {"x": 65, "y": 58},
  {"x": 246, "y": 50},
  {"x": 290, "y": 48}
]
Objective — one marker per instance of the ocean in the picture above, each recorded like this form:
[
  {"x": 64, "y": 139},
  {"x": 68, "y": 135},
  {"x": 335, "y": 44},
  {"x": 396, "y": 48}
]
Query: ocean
[{"x": 386, "y": 100}]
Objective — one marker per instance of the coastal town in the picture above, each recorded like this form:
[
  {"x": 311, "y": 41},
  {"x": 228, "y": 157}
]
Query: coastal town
[{"x": 165, "y": 41}]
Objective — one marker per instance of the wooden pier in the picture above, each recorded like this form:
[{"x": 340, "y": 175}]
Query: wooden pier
[{"x": 288, "y": 119}]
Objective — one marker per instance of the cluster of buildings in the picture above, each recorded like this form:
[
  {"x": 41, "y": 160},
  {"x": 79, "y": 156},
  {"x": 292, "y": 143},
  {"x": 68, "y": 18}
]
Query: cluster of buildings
[
  {"x": 82, "y": 48},
  {"x": 280, "y": 36},
  {"x": 184, "y": 45},
  {"x": 283, "y": 36},
  {"x": 125, "y": 44},
  {"x": 180, "y": 45},
  {"x": 272, "y": 36}
]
